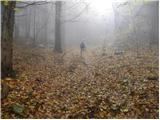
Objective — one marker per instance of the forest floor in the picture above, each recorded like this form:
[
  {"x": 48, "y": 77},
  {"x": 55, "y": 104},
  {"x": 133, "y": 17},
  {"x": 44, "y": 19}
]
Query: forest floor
[{"x": 49, "y": 85}]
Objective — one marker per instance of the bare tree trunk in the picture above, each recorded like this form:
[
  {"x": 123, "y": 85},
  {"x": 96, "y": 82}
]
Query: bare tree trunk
[
  {"x": 34, "y": 19},
  {"x": 45, "y": 34},
  {"x": 16, "y": 30},
  {"x": 27, "y": 24},
  {"x": 7, "y": 38},
  {"x": 45, "y": 30},
  {"x": 154, "y": 30},
  {"x": 58, "y": 41},
  {"x": 134, "y": 31}
]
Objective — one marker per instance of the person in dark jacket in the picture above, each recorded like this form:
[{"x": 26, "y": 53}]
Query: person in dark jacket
[{"x": 82, "y": 47}]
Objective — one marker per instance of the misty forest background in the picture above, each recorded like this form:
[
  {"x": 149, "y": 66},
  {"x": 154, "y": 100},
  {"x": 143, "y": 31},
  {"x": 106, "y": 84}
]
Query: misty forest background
[{"x": 46, "y": 75}]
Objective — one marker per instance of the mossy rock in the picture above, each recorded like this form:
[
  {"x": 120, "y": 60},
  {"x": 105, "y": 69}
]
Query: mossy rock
[
  {"x": 152, "y": 77},
  {"x": 18, "y": 109},
  {"x": 4, "y": 90}
]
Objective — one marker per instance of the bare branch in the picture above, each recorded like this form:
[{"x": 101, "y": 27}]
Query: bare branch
[
  {"x": 125, "y": 3},
  {"x": 21, "y": 15},
  {"x": 78, "y": 15},
  {"x": 26, "y": 4},
  {"x": 71, "y": 6}
]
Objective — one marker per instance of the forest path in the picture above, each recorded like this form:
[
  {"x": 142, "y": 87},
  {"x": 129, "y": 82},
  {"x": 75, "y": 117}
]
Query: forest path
[{"x": 104, "y": 87}]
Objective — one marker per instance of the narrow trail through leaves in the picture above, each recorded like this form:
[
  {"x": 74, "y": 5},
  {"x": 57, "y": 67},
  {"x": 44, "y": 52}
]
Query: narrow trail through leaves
[{"x": 50, "y": 85}]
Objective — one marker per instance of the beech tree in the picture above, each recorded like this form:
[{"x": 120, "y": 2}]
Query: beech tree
[
  {"x": 58, "y": 42},
  {"x": 7, "y": 9},
  {"x": 8, "y": 17}
]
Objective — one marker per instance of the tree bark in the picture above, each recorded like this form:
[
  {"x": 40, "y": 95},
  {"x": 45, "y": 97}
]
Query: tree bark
[
  {"x": 58, "y": 41},
  {"x": 27, "y": 24},
  {"x": 34, "y": 27},
  {"x": 7, "y": 38}
]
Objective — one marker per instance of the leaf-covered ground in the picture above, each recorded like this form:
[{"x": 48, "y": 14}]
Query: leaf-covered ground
[{"x": 51, "y": 85}]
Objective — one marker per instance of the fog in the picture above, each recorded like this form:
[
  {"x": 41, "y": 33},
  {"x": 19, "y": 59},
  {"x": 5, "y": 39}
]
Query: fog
[
  {"x": 74, "y": 59},
  {"x": 114, "y": 22}
]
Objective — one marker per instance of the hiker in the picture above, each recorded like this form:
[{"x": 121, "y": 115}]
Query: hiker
[{"x": 82, "y": 47}]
